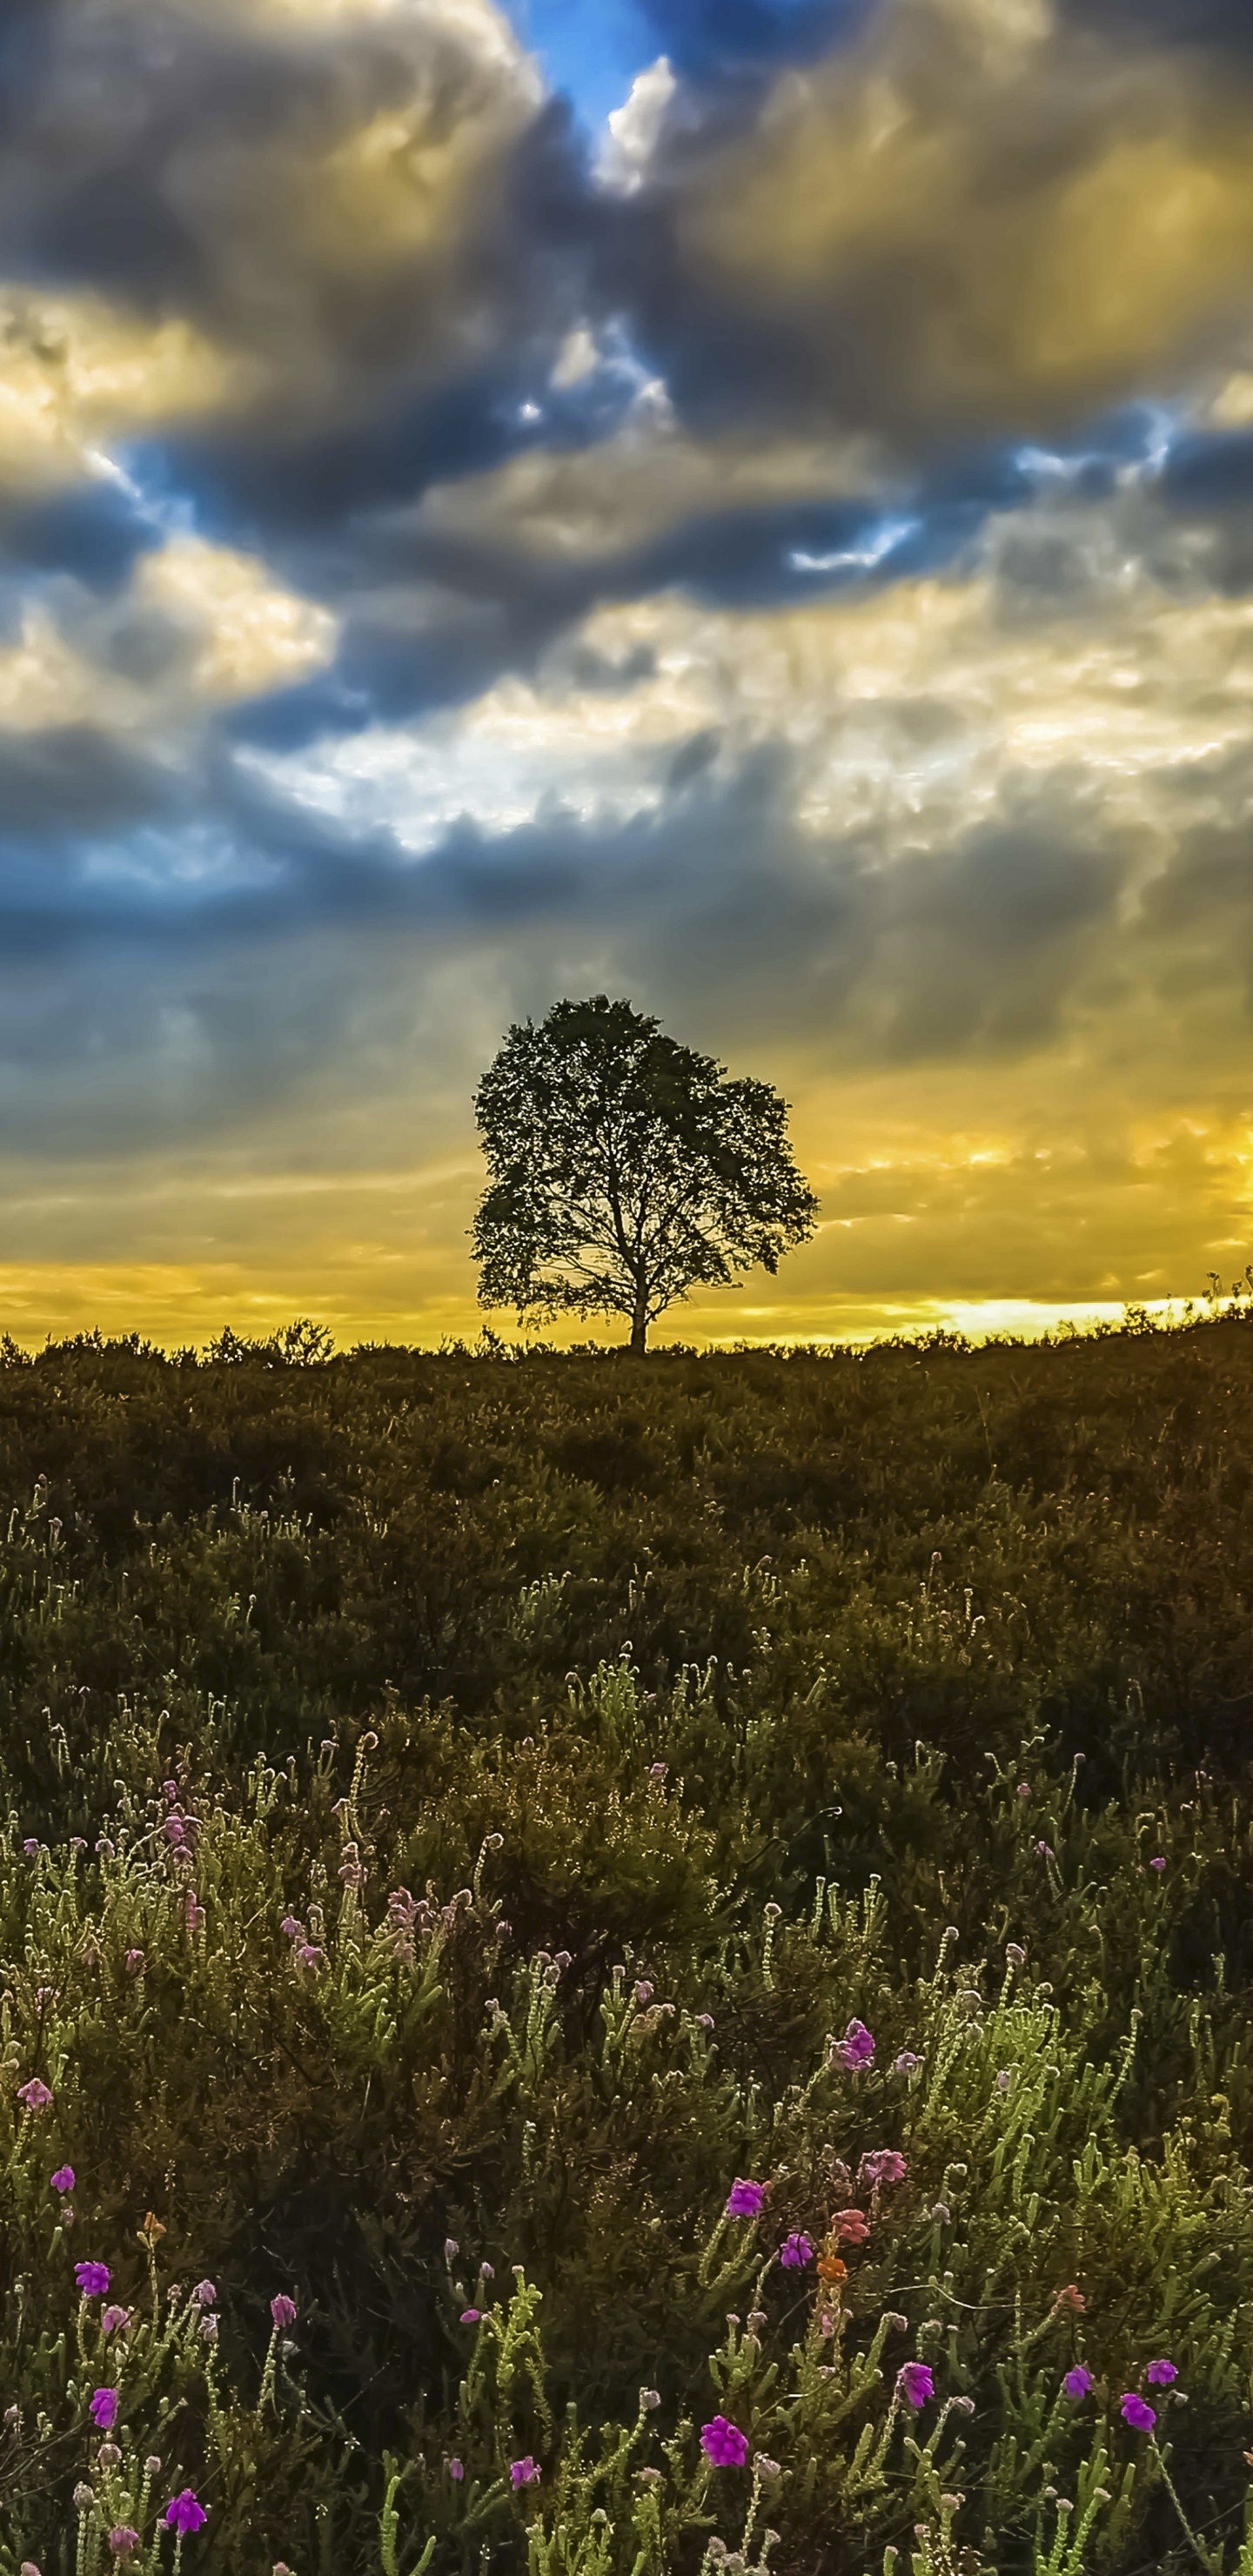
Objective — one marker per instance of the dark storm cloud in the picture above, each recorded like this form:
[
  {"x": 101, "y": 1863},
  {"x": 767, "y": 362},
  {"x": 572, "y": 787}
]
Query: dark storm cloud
[
  {"x": 140, "y": 1009},
  {"x": 332, "y": 204},
  {"x": 705, "y": 39}
]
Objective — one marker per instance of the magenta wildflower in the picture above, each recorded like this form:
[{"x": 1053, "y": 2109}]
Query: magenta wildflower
[
  {"x": 915, "y": 2383},
  {"x": 1158, "y": 1862},
  {"x": 35, "y": 2095},
  {"x": 123, "y": 2539},
  {"x": 1077, "y": 2382},
  {"x": 135, "y": 1963},
  {"x": 884, "y": 2164},
  {"x": 795, "y": 2252},
  {"x": 62, "y": 2179},
  {"x": 456, "y": 2470},
  {"x": 1161, "y": 2374},
  {"x": 283, "y": 2309},
  {"x": 1136, "y": 2413},
  {"x": 469, "y": 2317},
  {"x": 92, "y": 2279},
  {"x": 1046, "y": 1851},
  {"x": 906, "y": 2062},
  {"x": 205, "y": 2294},
  {"x": 856, "y": 2048},
  {"x": 114, "y": 2320},
  {"x": 184, "y": 2512},
  {"x": 311, "y": 1957},
  {"x": 103, "y": 2409},
  {"x": 523, "y": 2473},
  {"x": 723, "y": 2443},
  {"x": 744, "y": 2200}
]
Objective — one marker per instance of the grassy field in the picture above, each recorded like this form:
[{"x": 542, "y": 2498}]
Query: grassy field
[{"x": 628, "y": 1967}]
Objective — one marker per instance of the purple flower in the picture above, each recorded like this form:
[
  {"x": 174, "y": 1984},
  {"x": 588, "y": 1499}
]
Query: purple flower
[
  {"x": 1158, "y": 1862},
  {"x": 1077, "y": 2382},
  {"x": 915, "y": 2383},
  {"x": 884, "y": 2164},
  {"x": 1136, "y": 2413},
  {"x": 103, "y": 2409},
  {"x": 206, "y": 2294},
  {"x": 36, "y": 2095},
  {"x": 134, "y": 1963},
  {"x": 184, "y": 2512},
  {"x": 744, "y": 2199},
  {"x": 92, "y": 2279},
  {"x": 123, "y": 2539},
  {"x": 723, "y": 2443},
  {"x": 311, "y": 1957},
  {"x": 523, "y": 2473},
  {"x": 114, "y": 2320},
  {"x": 1161, "y": 2374},
  {"x": 63, "y": 2179},
  {"x": 906, "y": 2062},
  {"x": 469, "y": 2317},
  {"x": 1046, "y": 1851},
  {"x": 856, "y": 2048},
  {"x": 283, "y": 2309},
  {"x": 795, "y": 2252},
  {"x": 456, "y": 2470}
]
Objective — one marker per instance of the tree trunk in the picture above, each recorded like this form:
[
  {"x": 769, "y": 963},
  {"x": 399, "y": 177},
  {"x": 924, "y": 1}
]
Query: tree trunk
[{"x": 639, "y": 1323}]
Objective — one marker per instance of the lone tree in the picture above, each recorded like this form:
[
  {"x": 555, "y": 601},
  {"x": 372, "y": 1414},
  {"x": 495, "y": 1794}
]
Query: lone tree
[{"x": 625, "y": 1170}]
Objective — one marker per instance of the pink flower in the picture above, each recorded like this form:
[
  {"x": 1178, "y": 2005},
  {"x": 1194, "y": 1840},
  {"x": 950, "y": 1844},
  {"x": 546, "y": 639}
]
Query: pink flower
[
  {"x": 1161, "y": 2374},
  {"x": 1136, "y": 2413},
  {"x": 456, "y": 2470},
  {"x": 795, "y": 2252},
  {"x": 63, "y": 2179},
  {"x": 114, "y": 2320},
  {"x": 205, "y": 2294},
  {"x": 469, "y": 2317},
  {"x": 1158, "y": 1862},
  {"x": 283, "y": 2309},
  {"x": 744, "y": 2199},
  {"x": 855, "y": 2050},
  {"x": 134, "y": 1963},
  {"x": 1077, "y": 2382},
  {"x": 882, "y": 2165},
  {"x": 915, "y": 2383},
  {"x": 850, "y": 2226},
  {"x": 92, "y": 2279},
  {"x": 123, "y": 2539},
  {"x": 184, "y": 2512},
  {"x": 723, "y": 2443},
  {"x": 103, "y": 2409},
  {"x": 35, "y": 2095},
  {"x": 523, "y": 2473}
]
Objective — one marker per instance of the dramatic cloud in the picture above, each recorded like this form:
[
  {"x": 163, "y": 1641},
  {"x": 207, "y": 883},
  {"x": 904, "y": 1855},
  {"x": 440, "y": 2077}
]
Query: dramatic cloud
[
  {"x": 972, "y": 215},
  {"x": 787, "y": 556}
]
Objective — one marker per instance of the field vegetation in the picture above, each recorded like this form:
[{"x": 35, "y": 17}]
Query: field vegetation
[{"x": 617, "y": 1968}]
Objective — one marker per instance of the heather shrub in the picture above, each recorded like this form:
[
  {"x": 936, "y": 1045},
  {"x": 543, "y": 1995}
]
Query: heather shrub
[{"x": 585, "y": 2019}]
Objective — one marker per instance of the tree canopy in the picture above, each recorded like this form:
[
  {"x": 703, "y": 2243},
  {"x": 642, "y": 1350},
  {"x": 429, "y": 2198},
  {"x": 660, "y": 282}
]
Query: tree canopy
[{"x": 626, "y": 1169}]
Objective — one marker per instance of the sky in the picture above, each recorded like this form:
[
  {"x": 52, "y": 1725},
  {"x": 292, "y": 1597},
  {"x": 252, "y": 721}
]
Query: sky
[{"x": 741, "y": 504}]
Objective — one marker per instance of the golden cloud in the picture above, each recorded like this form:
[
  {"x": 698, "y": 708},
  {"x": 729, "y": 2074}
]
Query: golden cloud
[
  {"x": 215, "y": 627},
  {"x": 974, "y": 217},
  {"x": 77, "y": 373}
]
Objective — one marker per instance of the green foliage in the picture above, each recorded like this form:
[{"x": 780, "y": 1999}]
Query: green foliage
[
  {"x": 626, "y": 1170},
  {"x": 457, "y": 1812}
]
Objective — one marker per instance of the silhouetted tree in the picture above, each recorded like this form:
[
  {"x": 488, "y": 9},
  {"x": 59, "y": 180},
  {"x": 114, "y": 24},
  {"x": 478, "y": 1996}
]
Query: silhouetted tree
[{"x": 626, "y": 1170}]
